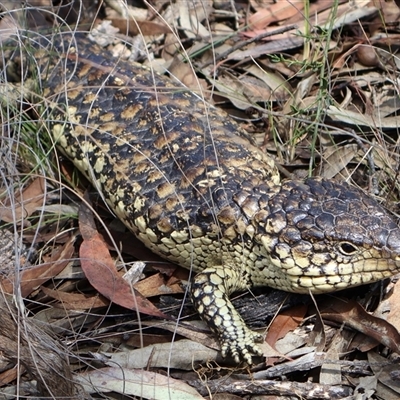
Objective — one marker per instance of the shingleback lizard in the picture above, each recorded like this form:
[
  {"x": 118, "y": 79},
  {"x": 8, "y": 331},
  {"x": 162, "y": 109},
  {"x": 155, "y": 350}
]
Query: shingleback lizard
[{"x": 184, "y": 178}]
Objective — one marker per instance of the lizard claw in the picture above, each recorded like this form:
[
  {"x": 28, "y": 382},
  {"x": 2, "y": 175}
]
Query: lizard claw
[{"x": 240, "y": 343}]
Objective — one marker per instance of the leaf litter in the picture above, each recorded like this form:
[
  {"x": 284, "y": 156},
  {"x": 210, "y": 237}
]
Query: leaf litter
[{"x": 317, "y": 84}]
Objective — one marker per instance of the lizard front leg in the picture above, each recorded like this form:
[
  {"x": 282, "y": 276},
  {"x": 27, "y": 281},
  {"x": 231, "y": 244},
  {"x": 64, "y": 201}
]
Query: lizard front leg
[{"x": 210, "y": 294}]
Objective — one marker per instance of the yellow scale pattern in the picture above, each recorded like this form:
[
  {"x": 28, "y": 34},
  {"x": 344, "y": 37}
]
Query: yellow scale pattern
[{"x": 187, "y": 181}]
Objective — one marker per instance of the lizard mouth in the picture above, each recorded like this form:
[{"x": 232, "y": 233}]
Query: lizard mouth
[{"x": 318, "y": 284}]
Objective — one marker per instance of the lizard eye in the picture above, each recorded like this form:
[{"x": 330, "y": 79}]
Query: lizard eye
[{"x": 347, "y": 249}]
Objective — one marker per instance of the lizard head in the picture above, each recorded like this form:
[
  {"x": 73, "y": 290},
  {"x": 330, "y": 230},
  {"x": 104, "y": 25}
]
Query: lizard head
[{"x": 324, "y": 236}]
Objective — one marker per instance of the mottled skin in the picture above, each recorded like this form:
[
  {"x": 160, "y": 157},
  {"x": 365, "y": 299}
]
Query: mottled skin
[{"x": 179, "y": 176}]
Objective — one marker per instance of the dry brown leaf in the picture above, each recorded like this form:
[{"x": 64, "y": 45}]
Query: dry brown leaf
[
  {"x": 337, "y": 158},
  {"x": 257, "y": 5},
  {"x": 184, "y": 73},
  {"x": 279, "y": 11},
  {"x": 155, "y": 285},
  {"x": 101, "y": 272},
  {"x": 244, "y": 91},
  {"x": 137, "y": 27},
  {"x": 386, "y": 373},
  {"x": 191, "y": 15},
  {"x": 31, "y": 278},
  {"x": 180, "y": 354},
  {"x": 62, "y": 321},
  {"x": 317, "y": 337},
  {"x": 23, "y": 205},
  {"x": 137, "y": 382},
  {"x": 331, "y": 371},
  {"x": 363, "y": 343},
  {"x": 352, "y": 314},
  {"x": 285, "y": 322},
  {"x": 76, "y": 301},
  {"x": 11, "y": 374},
  {"x": 394, "y": 301},
  {"x": 142, "y": 339},
  {"x": 321, "y": 16},
  {"x": 187, "y": 330},
  {"x": 315, "y": 9},
  {"x": 280, "y": 88},
  {"x": 231, "y": 87},
  {"x": 357, "y": 119},
  {"x": 389, "y": 11}
]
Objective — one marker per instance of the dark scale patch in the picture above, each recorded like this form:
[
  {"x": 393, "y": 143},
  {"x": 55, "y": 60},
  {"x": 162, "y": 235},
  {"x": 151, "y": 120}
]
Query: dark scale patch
[
  {"x": 315, "y": 209},
  {"x": 322, "y": 247},
  {"x": 313, "y": 234},
  {"x": 357, "y": 208},
  {"x": 335, "y": 206},
  {"x": 303, "y": 249},
  {"x": 295, "y": 216},
  {"x": 325, "y": 221},
  {"x": 307, "y": 223},
  {"x": 291, "y": 235},
  {"x": 317, "y": 189}
]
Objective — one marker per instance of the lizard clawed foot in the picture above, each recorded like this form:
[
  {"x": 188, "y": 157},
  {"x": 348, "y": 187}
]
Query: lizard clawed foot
[{"x": 240, "y": 343}]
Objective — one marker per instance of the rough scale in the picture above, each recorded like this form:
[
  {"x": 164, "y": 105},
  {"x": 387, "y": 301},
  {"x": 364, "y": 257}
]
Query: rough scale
[{"x": 184, "y": 178}]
